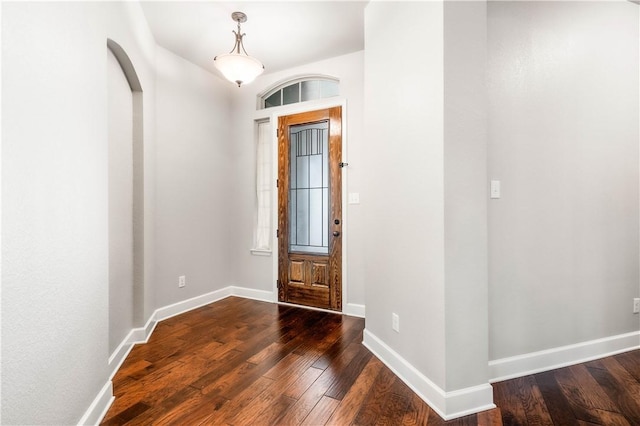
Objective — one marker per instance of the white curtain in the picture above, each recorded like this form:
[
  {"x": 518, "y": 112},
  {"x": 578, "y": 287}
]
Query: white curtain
[{"x": 263, "y": 187}]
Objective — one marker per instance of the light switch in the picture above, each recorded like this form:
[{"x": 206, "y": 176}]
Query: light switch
[
  {"x": 495, "y": 189},
  {"x": 354, "y": 198}
]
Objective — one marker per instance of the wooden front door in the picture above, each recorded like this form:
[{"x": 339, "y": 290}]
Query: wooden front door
[{"x": 310, "y": 209}]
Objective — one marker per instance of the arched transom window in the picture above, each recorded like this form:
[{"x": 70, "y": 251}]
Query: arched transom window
[{"x": 300, "y": 90}]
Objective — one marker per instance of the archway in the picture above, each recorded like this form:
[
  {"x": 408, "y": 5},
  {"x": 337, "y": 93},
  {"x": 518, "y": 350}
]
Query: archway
[{"x": 126, "y": 196}]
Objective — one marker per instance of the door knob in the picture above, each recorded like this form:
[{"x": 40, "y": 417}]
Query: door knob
[{"x": 336, "y": 233}]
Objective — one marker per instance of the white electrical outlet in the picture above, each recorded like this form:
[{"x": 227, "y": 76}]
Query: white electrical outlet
[
  {"x": 395, "y": 322},
  {"x": 636, "y": 305},
  {"x": 182, "y": 281}
]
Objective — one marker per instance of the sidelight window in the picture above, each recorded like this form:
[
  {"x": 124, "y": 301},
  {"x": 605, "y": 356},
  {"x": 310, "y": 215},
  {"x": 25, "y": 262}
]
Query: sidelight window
[{"x": 262, "y": 234}]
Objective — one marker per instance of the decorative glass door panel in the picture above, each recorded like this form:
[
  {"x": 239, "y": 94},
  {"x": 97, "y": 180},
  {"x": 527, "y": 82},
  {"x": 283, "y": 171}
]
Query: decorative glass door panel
[{"x": 309, "y": 188}]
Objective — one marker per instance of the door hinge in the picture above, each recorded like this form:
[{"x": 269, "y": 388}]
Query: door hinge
[
  {"x": 277, "y": 233},
  {"x": 278, "y": 283},
  {"x": 277, "y": 133},
  {"x": 277, "y": 182}
]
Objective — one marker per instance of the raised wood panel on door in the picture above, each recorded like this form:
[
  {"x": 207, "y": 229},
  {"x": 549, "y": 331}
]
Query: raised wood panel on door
[
  {"x": 308, "y": 280},
  {"x": 304, "y": 278}
]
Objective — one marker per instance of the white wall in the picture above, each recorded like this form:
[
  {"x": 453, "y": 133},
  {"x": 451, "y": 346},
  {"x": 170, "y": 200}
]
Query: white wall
[
  {"x": 425, "y": 192},
  {"x": 195, "y": 181},
  {"x": 54, "y": 197},
  {"x": 403, "y": 185},
  {"x": 120, "y": 183},
  {"x": 563, "y": 121},
  {"x": 465, "y": 192},
  {"x": 257, "y": 271}
]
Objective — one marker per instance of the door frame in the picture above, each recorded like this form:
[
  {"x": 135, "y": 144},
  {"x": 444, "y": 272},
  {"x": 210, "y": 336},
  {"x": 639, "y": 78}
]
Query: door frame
[{"x": 273, "y": 119}]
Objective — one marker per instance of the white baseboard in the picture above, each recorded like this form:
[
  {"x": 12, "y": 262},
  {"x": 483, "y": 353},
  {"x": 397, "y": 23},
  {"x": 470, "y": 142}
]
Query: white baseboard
[
  {"x": 550, "y": 359},
  {"x": 119, "y": 355},
  {"x": 448, "y": 405},
  {"x": 354, "y": 310},
  {"x": 141, "y": 335},
  {"x": 250, "y": 293},
  {"x": 99, "y": 407},
  {"x": 190, "y": 304},
  {"x": 136, "y": 335}
]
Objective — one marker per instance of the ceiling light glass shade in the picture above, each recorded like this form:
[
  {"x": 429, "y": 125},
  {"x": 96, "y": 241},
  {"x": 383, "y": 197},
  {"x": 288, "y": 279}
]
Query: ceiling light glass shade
[{"x": 238, "y": 67}]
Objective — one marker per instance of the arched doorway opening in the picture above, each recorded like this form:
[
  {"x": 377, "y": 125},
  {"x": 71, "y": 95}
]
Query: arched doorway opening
[{"x": 126, "y": 196}]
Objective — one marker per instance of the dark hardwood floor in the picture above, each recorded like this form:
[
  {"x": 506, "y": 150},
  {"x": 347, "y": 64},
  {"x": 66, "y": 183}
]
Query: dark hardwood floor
[
  {"x": 601, "y": 392},
  {"x": 243, "y": 362}
]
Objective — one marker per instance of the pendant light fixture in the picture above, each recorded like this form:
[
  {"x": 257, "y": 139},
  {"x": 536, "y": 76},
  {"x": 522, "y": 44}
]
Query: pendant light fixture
[{"x": 237, "y": 66}]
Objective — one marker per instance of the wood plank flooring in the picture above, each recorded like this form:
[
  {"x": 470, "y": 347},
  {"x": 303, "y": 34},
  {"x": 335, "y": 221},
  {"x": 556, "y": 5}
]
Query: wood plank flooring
[
  {"x": 601, "y": 392},
  {"x": 244, "y": 362}
]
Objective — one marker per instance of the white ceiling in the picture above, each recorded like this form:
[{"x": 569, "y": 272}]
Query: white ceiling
[{"x": 281, "y": 34}]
